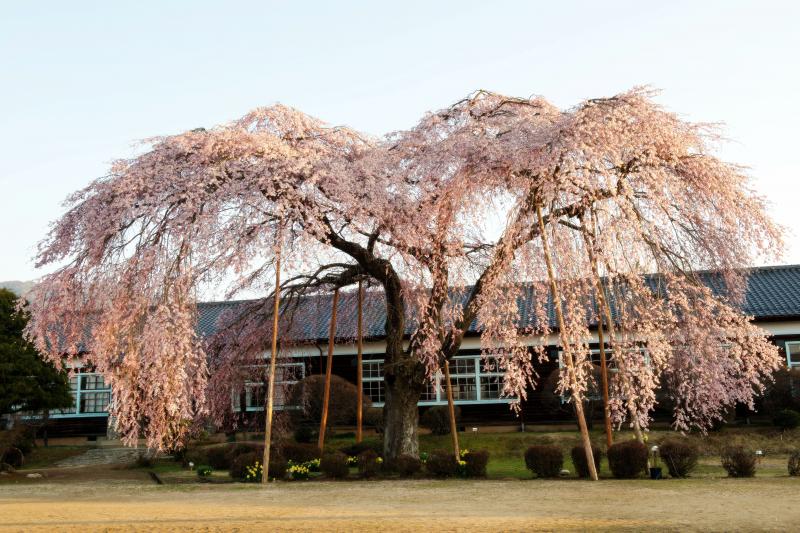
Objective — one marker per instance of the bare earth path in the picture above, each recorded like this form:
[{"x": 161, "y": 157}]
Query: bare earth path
[{"x": 669, "y": 505}]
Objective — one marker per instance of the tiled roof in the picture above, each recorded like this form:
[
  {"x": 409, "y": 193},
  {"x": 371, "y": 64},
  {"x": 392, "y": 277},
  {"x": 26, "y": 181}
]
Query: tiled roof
[{"x": 772, "y": 293}]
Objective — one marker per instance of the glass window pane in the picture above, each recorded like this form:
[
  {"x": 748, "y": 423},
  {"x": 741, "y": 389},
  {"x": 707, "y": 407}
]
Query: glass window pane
[
  {"x": 462, "y": 366},
  {"x": 464, "y": 388},
  {"x": 794, "y": 353},
  {"x": 95, "y": 402},
  {"x": 429, "y": 394},
  {"x": 491, "y": 387},
  {"x": 374, "y": 390},
  {"x": 92, "y": 382}
]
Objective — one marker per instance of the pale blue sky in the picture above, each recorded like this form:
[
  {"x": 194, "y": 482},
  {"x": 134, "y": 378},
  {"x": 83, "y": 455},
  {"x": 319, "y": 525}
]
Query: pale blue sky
[{"x": 82, "y": 81}]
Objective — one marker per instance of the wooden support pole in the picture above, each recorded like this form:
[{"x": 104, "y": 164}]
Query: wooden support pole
[
  {"x": 604, "y": 381},
  {"x": 328, "y": 369},
  {"x": 359, "y": 365},
  {"x": 272, "y": 366},
  {"x": 600, "y": 296},
  {"x": 567, "y": 350},
  {"x": 451, "y": 410}
]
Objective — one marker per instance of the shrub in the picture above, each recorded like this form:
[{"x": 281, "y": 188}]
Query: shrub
[
  {"x": 304, "y": 434},
  {"x": 544, "y": 460},
  {"x": 578, "y": 455},
  {"x": 342, "y": 405},
  {"x": 218, "y": 457},
  {"x": 277, "y": 467},
  {"x": 239, "y": 465},
  {"x": 248, "y": 467},
  {"x": 406, "y": 465},
  {"x": 794, "y": 463},
  {"x": 476, "y": 461},
  {"x": 369, "y": 463},
  {"x": 442, "y": 464},
  {"x": 334, "y": 465},
  {"x": 437, "y": 419},
  {"x": 786, "y": 419},
  {"x": 680, "y": 457},
  {"x": 299, "y": 453},
  {"x": 374, "y": 417},
  {"x": 240, "y": 448},
  {"x": 739, "y": 461},
  {"x": 627, "y": 459},
  {"x": 358, "y": 448},
  {"x": 204, "y": 471},
  {"x": 13, "y": 457}
]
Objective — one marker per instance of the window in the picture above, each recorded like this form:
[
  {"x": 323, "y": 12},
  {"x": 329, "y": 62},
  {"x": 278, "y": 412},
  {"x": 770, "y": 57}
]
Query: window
[
  {"x": 95, "y": 402},
  {"x": 90, "y": 393},
  {"x": 793, "y": 354},
  {"x": 473, "y": 380},
  {"x": 372, "y": 380},
  {"x": 255, "y": 392}
]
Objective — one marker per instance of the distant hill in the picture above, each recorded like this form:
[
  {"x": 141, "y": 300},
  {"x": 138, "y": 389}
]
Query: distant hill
[{"x": 20, "y": 288}]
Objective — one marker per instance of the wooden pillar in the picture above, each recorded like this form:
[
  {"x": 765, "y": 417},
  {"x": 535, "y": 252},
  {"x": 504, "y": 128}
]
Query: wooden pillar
[
  {"x": 600, "y": 296},
  {"x": 328, "y": 369},
  {"x": 567, "y": 350},
  {"x": 359, "y": 365},
  {"x": 451, "y": 410},
  {"x": 272, "y": 366},
  {"x": 604, "y": 381}
]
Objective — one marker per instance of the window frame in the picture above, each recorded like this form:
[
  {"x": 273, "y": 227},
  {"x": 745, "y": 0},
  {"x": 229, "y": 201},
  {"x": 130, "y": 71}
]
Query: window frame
[
  {"x": 789, "y": 364},
  {"x": 478, "y": 371},
  {"x": 250, "y": 385},
  {"x": 76, "y": 411}
]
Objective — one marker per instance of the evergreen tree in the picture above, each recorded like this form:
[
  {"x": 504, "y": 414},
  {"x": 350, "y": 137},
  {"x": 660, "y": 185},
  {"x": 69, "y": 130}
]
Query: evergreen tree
[{"x": 27, "y": 383}]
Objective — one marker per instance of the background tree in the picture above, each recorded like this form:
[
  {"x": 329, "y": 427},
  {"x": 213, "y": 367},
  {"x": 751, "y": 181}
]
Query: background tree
[
  {"x": 27, "y": 383},
  {"x": 446, "y": 219}
]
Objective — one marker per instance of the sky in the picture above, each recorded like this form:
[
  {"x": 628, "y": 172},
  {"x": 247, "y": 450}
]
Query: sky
[{"x": 82, "y": 82}]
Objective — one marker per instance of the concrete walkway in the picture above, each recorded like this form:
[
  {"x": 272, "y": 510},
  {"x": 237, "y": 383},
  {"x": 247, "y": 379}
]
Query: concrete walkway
[{"x": 102, "y": 456}]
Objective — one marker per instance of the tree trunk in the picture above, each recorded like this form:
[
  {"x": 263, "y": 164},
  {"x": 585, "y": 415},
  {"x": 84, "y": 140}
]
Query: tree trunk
[{"x": 401, "y": 420}]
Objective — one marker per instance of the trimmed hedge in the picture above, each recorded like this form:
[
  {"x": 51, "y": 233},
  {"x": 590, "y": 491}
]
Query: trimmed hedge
[
  {"x": 406, "y": 465},
  {"x": 238, "y": 469},
  {"x": 354, "y": 450},
  {"x": 739, "y": 461},
  {"x": 300, "y": 453},
  {"x": 544, "y": 460},
  {"x": 369, "y": 463},
  {"x": 334, "y": 465},
  {"x": 579, "y": 459},
  {"x": 680, "y": 457},
  {"x": 442, "y": 464},
  {"x": 476, "y": 461},
  {"x": 794, "y": 463},
  {"x": 627, "y": 459}
]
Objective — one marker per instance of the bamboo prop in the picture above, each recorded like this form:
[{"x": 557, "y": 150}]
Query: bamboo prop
[
  {"x": 272, "y": 366},
  {"x": 604, "y": 382},
  {"x": 600, "y": 295},
  {"x": 609, "y": 321},
  {"x": 359, "y": 369},
  {"x": 578, "y": 401},
  {"x": 451, "y": 411},
  {"x": 637, "y": 430},
  {"x": 327, "y": 394}
]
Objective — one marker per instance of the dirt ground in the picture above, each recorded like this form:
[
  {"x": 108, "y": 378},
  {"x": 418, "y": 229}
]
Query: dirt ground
[{"x": 513, "y": 505}]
